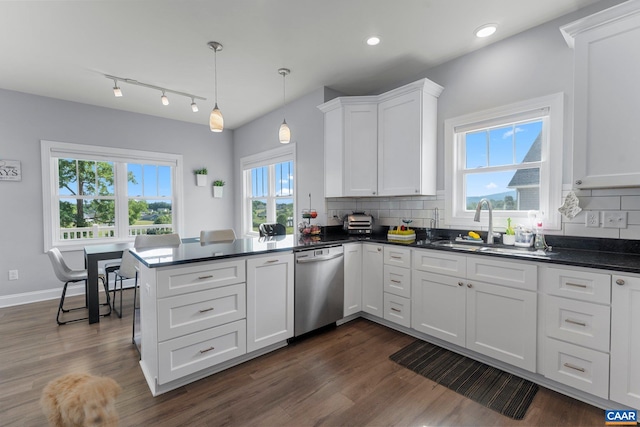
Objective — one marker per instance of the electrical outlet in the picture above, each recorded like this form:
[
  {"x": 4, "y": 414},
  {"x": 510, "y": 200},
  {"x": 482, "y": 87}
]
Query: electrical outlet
[
  {"x": 592, "y": 219},
  {"x": 13, "y": 274},
  {"x": 615, "y": 219}
]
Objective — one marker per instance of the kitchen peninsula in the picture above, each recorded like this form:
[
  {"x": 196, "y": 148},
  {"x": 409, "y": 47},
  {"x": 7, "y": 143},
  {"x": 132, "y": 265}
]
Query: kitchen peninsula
[{"x": 207, "y": 307}]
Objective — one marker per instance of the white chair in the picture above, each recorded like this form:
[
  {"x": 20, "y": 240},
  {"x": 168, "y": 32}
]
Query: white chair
[
  {"x": 67, "y": 275},
  {"x": 213, "y": 236},
  {"x": 125, "y": 270}
]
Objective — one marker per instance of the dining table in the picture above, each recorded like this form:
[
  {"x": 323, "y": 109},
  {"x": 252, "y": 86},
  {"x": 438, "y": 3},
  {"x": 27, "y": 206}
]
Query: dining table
[{"x": 93, "y": 254}]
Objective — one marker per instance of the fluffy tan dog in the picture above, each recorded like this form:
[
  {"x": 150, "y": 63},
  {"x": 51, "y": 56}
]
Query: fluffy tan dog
[{"x": 81, "y": 400}]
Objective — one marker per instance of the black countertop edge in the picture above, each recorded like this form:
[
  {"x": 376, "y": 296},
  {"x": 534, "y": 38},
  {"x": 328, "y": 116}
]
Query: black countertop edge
[{"x": 207, "y": 258}]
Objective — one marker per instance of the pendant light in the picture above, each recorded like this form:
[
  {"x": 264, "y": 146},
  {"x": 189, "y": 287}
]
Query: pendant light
[
  {"x": 284, "y": 133},
  {"x": 216, "y": 121}
]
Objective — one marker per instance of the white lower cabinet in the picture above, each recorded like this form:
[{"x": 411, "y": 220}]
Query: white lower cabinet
[
  {"x": 269, "y": 300},
  {"x": 192, "y": 319},
  {"x": 501, "y": 323},
  {"x": 577, "y": 328},
  {"x": 352, "y": 278},
  {"x": 497, "y": 320},
  {"x": 625, "y": 341},
  {"x": 439, "y": 306},
  {"x": 397, "y": 285},
  {"x": 194, "y": 352},
  {"x": 372, "y": 271}
]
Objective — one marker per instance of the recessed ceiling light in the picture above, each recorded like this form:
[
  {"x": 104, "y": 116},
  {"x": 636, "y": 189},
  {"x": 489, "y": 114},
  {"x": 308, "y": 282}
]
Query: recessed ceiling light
[
  {"x": 372, "y": 41},
  {"x": 486, "y": 30}
]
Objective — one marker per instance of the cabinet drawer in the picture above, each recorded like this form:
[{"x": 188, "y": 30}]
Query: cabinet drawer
[
  {"x": 506, "y": 273},
  {"x": 397, "y": 280},
  {"x": 192, "y": 353},
  {"x": 195, "y": 311},
  {"x": 191, "y": 278},
  {"x": 578, "y": 367},
  {"x": 577, "y": 284},
  {"x": 397, "y": 309},
  {"x": 578, "y": 322},
  {"x": 395, "y": 255},
  {"x": 440, "y": 262}
]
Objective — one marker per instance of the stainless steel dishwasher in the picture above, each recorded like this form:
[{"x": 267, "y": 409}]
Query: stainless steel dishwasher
[{"x": 319, "y": 288}]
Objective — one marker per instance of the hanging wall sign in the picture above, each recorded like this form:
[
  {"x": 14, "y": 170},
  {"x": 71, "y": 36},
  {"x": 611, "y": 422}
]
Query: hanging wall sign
[{"x": 10, "y": 170}]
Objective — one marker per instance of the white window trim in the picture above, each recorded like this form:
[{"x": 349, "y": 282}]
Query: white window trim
[
  {"x": 550, "y": 172},
  {"x": 50, "y": 150},
  {"x": 277, "y": 155}
]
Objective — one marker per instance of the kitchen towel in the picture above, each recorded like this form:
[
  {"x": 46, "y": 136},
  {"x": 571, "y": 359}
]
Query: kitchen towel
[{"x": 570, "y": 207}]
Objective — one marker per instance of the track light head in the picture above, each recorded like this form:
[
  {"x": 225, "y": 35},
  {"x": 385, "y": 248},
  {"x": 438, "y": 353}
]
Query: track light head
[
  {"x": 165, "y": 100},
  {"x": 117, "y": 92},
  {"x": 194, "y": 106}
]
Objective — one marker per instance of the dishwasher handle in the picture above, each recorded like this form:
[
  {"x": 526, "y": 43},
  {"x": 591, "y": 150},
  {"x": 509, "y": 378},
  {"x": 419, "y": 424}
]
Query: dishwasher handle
[{"x": 318, "y": 259}]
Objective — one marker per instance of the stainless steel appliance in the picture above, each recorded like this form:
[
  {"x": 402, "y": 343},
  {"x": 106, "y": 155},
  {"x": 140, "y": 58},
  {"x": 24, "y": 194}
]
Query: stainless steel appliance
[
  {"x": 358, "y": 223},
  {"x": 319, "y": 288}
]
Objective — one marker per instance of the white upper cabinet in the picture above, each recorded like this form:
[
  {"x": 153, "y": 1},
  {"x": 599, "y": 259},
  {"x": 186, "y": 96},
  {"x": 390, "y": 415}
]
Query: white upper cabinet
[
  {"x": 351, "y": 141},
  {"x": 382, "y": 145},
  {"x": 606, "y": 144},
  {"x": 407, "y": 140}
]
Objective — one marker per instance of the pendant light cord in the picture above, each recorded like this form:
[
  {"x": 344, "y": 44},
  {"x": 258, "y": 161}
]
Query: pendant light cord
[{"x": 215, "y": 75}]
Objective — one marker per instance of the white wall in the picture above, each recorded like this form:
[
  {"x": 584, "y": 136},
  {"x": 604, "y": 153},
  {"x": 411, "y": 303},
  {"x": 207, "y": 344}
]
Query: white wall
[
  {"x": 27, "y": 119},
  {"x": 307, "y": 133}
]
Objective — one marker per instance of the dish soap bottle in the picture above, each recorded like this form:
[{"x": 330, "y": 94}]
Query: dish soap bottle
[{"x": 539, "y": 242}]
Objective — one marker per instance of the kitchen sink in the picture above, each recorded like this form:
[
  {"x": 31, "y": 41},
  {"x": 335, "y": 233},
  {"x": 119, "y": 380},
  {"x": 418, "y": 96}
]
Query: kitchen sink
[{"x": 474, "y": 247}]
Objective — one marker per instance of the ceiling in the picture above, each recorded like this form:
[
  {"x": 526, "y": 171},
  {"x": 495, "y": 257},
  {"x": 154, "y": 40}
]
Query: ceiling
[{"x": 63, "y": 49}]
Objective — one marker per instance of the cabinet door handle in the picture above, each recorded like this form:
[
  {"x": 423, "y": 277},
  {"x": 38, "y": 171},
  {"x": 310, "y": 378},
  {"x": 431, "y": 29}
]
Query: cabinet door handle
[
  {"x": 460, "y": 284},
  {"x": 396, "y": 257},
  {"x": 396, "y": 281},
  {"x": 204, "y": 310},
  {"x": 271, "y": 261},
  {"x": 207, "y": 349},
  {"x": 577, "y": 285},
  {"x": 575, "y": 322},
  {"x": 469, "y": 285},
  {"x": 379, "y": 249},
  {"x": 577, "y": 368},
  {"x": 396, "y": 310},
  {"x": 205, "y": 277},
  {"x": 620, "y": 282},
  {"x": 579, "y": 182}
]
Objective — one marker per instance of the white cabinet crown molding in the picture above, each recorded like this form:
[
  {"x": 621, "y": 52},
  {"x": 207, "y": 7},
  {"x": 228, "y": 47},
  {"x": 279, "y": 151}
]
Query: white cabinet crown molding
[{"x": 623, "y": 10}]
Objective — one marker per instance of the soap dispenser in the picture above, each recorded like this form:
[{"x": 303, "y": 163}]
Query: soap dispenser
[{"x": 539, "y": 242}]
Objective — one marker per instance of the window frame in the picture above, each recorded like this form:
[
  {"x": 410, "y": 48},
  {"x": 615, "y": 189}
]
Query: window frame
[
  {"x": 52, "y": 150},
  {"x": 550, "y": 107},
  {"x": 270, "y": 157}
]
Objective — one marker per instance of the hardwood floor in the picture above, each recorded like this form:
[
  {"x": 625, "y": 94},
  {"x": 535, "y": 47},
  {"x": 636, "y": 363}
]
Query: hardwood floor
[{"x": 341, "y": 377}]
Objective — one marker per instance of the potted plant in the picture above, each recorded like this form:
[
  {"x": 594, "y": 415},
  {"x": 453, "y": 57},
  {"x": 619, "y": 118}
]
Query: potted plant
[
  {"x": 509, "y": 237},
  {"x": 217, "y": 187},
  {"x": 201, "y": 177}
]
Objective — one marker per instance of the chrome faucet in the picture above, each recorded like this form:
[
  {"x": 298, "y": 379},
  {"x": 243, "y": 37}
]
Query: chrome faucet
[{"x": 476, "y": 218}]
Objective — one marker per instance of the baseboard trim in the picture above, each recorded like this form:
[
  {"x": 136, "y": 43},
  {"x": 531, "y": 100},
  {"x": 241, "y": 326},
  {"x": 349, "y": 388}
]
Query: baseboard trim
[{"x": 48, "y": 294}]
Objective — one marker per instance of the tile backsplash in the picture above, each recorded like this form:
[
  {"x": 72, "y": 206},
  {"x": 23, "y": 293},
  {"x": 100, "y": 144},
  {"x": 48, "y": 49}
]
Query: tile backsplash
[{"x": 390, "y": 211}]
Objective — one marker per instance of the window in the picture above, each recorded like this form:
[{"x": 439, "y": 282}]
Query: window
[
  {"x": 269, "y": 190},
  {"x": 511, "y": 156},
  {"x": 100, "y": 194}
]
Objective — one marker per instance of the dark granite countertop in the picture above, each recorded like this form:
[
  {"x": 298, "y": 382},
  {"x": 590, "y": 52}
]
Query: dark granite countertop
[{"x": 608, "y": 254}]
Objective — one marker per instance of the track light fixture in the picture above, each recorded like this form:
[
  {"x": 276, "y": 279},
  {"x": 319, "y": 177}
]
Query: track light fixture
[
  {"x": 216, "y": 121},
  {"x": 285, "y": 133},
  {"x": 165, "y": 101}
]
